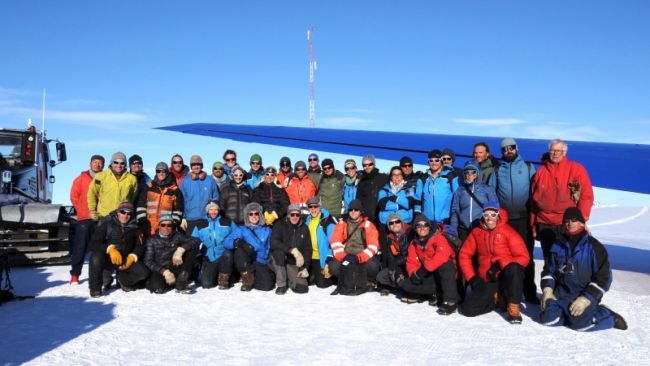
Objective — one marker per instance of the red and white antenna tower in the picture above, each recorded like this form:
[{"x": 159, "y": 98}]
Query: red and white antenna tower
[{"x": 312, "y": 68}]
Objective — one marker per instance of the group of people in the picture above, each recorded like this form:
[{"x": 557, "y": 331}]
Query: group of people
[{"x": 449, "y": 235}]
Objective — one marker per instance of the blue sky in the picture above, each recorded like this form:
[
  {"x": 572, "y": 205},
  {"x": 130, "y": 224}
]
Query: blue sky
[{"x": 571, "y": 69}]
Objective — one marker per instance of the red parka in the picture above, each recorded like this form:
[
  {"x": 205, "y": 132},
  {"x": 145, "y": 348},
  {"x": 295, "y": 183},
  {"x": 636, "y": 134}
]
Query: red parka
[
  {"x": 79, "y": 195},
  {"x": 300, "y": 190},
  {"x": 434, "y": 254},
  {"x": 368, "y": 232}
]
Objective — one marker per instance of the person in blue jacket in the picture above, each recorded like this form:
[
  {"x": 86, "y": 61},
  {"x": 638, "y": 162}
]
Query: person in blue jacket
[
  {"x": 468, "y": 200},
  {"x": 256, "y": 172},
  {"x": 217, "y": 259},
  {"x": 352, "y": 176},
  {"x": 575, "y": 278},
  {"x": 251, "y": 243},
  {"x": 435, "y": 189},
  {"x": 396, "y": 197},
  {"x": 198, "y": 189},
  {"x": 321, "y": 226}
]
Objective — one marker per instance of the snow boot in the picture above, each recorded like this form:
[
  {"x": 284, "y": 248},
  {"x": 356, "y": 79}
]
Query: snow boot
[
  {"x": 247, "y": 281},
  {"x": 447, "y": 308},
  {"x": 107, "y": 280},
  {"x": 335, "y": 292},
  {"x": 433, "y": 301},
  {"x": 125, "y": 288},
  {"x": 514, "y": 315},
  {"x": 384, "y": 292},
  {"x": 499, "y": 301},
  {"x": 182, "y": 282},
  {"x": 619, "y": 322},
  {"x": 95, "y": 293},
  {"x": 281, "y": 290},
  {"x": 223, "y": 281},
  {"x": 409, "y": 300},
  {"x": 74, "y": 280},
  {"x": 372, "y": 285}
]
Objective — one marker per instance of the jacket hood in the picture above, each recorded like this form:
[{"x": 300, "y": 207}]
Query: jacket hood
[
  {"x": 253, "y": 207},
  {"x": 503, "y": 219}
]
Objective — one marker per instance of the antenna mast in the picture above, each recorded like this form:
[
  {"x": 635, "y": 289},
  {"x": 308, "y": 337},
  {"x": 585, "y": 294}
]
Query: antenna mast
[{"x": 312, "y": 68}]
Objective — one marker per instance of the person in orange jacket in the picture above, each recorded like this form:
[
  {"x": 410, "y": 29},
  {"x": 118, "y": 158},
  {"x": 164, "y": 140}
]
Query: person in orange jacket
[{"x": 300, "y": 188}]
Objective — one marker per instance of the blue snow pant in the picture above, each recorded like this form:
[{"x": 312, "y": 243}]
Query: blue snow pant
[{"x": 595, "y": 317}]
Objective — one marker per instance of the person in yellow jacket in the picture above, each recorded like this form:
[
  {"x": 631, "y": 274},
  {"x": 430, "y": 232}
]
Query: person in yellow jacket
[{"x": 110, "y": 187}]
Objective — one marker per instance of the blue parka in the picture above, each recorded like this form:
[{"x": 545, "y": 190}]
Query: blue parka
[
  {"x": 255, "y": 178},
  {"x": 258, "y": 236},
  {"x": 465, "y": 211},
  {"x": 435, "y": 195},
  {"x": 323, "y": 235},
  {"x": 198, "y": 190},
  {"x": 213, "y": 236},
  {"x": 513, "y": 186},
  {"x": 401, "y": 202},
  {"x": 350, "y": 191}
]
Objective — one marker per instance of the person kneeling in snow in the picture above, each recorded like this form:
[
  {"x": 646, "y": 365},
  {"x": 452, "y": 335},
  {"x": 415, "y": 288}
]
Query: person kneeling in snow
[
  {"x": 502, "y": 259},
  {"x": 575, "y": 279},
  {"x": 251, "y": 245},
  {"x": 117, "y": 245},
  {"x": 217, "y": 258},
  {"x": 170, "y": 256},
  {"x": 290, "y": 245}
]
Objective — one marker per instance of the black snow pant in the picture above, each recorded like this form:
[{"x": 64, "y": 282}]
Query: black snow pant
[
  {"x": 284, "y": 266},
  {"x": 316, "y": 273},
  {"x": 547, "y": 235},
  {"x": 83, "y": 231},
  {"x": 157, "y": 282},
  {"x": 353, "y": 277},
  {"x": 101, "y": 263},
  {"x": 245, "y": 261},
  {"x": 384, "y": 250},
  {"x": 443, "y": 278},
  {"x": 522, "y": 226},
  {"x": 210, "y": 270},
  {"x": 481, "y": 300}
]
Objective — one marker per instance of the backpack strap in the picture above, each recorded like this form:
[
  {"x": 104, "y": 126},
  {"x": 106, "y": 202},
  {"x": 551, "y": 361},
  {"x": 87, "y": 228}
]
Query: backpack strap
[{"x": 473, "y": 196}]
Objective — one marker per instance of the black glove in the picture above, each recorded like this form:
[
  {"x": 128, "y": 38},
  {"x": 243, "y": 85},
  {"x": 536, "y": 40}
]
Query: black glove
[
  {"x": 393, "y": 198},
  {"x": 422, "y": 272},
  {"x": 476, "y": 283},
  {"x": 415, "y": 279},
  {"x": 351, "y": 258},
  {"x": 492, "y": 272},
  {"x": 238, "y": 243}
]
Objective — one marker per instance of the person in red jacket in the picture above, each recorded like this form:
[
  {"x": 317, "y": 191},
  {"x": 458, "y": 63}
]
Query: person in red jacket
[
  {"x": 85, "y": 225},
  {"x": 430, "y": 261},
  {"x": 354, "y": 243},
  {"x": 502, "y": 259},
  {"x": 557, "y": 185}
]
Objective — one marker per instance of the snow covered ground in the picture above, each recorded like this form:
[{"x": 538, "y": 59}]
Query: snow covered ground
[{"x": 62, "y": 325}]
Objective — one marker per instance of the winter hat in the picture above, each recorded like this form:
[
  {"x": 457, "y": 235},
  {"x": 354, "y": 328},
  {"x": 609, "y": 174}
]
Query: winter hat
[
  {"x": 435, "y": 153},
  {"x": 355, "y": 205},
  {"x": 118, "y": 156},
  {"x": 421, "y": 218},
  {"x": 313, "y": 201},
  {"x": 270, "y": 169},
  {"x": 300, "y": 165},
  {"x": 125, "y": 206},
  {"x": 507, "y": 142},
  {"x": 135, "y": 158},
  {"x": 313, "y": 155},
  {"x": 285, "y": 161},
  {"x": 294, "y": 207},
  {"x": 256, "y": 157},
  {"x": 162, "y": 166},
  {"x": 394, "y": 216},
  {"x": 450, "y": 152},
  {"x": 97, "y": 157},
  {"x": 405, "y": 160},
  {"x": 471, "y": 165},
  {"x": 491, "y": 205},
  {"x": 165, "y": 218},
  {"x": 574, "y": 214},
  {"x": 350, "y": 161},
  {"x": 217, "y": 165},
  {"x": 196, "y": 159},
  {"x": 369, "y": 157},
  {"x": 212, "y": 204},
  {"x": 327, "y": 162},
  {"x": 239, "y": 168}
]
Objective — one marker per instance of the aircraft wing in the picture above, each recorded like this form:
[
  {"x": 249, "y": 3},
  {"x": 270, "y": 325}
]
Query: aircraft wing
[{"x": 610, "y": 165}]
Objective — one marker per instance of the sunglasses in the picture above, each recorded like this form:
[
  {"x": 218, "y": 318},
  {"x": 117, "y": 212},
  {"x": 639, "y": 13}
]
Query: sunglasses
[
  {"x": 284, "y": 165},
  {"x": 118, "y": 162},
  {"x": 509, "y": 148},
  {"x": 125, "y": 212},
  {"x": 354, "y": 210},
  {"x": 229, "y": 160},
  {"x": 237, "y": 175},
  {"x": 177, "y": 162},
  {"x": 421, "y": 226},
  {"x": 196, "y": 164},
  {"x": 447, "y": 158},
  {"x": 313, "y": 206},
  {"x": 294, "y": 215},
  {"x": 255, "y": 163},
  {"x": 217, "y": 168},
  {"x": 407, "y": 165},
  {"x": 300, "y": 169},
  {"x": 136, "y": 163},
  {"x": 369, "y": 164},
  {"x": 435, "y": 160},
  {"x": 253, "y": 214},
  {"x": 391, "y": 223},
  {"x": 313, "y": 159},
  {"x": 469, "y": 171},
  {"x": 348, "y": 168},
  {"x": 166, "y": 225},
  {"x": 327, "y": 167},
  {"x": 491, "y": 214},
  {"x": 161, "y": 171},
  {"x": 270, "y": 174}
]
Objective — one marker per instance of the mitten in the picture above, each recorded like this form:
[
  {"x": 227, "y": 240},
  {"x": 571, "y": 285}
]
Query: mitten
[{"x": 116, "y": 257}]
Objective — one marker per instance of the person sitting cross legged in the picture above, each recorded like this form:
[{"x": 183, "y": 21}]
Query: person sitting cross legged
[{"x": 290, "y": 246}]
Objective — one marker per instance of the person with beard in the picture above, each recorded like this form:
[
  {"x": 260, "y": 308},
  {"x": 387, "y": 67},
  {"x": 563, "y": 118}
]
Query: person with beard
[
  {"x": 487, "y": 162},
  {"x": 110, "y": 187},
  {"x": 352, "y": 177},
  {"x": 369, "y": 185},
  {"x": 178, "y": 169},
  {"x": 161, "y": 197},
  {"x": 85, "y": 225},
  {"x": 575, "y": 278},
  {"x": 198, "y": 189},
  {"x": 256, "y": 172},
  {"x": 513, "y": 189},
  {"x": 219, "y": 175},
  {"x": 285, "y": 174},
  {"x": 217, "y": 261},
  {"x": 313, "y": 170},
  {"x": 468, "y": 201},
  {"x": 330, "y": 188},
  {"x": 135, "y": 168},
  {"x": 273, "y": 198},
  {"x": 290, "y": 246},
  {"x": 235, "y": 196},
  {"x": 117, "y": 245}
]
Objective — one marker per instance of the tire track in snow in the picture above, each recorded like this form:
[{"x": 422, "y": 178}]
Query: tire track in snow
[{"x": 625, "y": 219}]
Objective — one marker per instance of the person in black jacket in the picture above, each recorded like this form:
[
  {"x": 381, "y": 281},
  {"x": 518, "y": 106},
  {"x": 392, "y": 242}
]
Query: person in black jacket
[
  {"x": 290, "y": 245},
  {"x": 235, "y": 195},
  {"x": 371, "y": 182},
  {"x": 117, "y": 245},
  {"x": 270, "y": 194},
  {"x": 170, "y": 256},
  {"x": 398, "y": 238}
]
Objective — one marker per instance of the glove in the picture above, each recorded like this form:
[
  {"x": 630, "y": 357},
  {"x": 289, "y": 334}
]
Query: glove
[
  {"x": 130, "y": 259},
  {"x": 351, "y": 258},
  {"x": 270, "y": 217},
  {"x": 393, "y": 198},
  {"x": 396, "y": 276},
  {"x": 169, "y": 277},
  {"x": 326, "y": 271},
  {"x": 300, "y": 261},
  {"x": 303, "y": 273},
  {"x": 493, "y": 271},
  {"x": 184, "y": 224},
  {"x": 547, "y": 294},
  {"x": 177, "y": 258},
  {"x": 415, "y": 278},
  {"x": 579, "y": 305},
  {"x": 116, "y": 257},
  {"x": 94, "y": 215},
  {"x": 476, "y": 283}
]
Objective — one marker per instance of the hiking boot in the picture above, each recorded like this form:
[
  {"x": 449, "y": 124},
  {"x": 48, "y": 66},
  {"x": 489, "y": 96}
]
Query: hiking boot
[
  {"x": 371, "y": 285},
  {"x": 125, "y": 288},
  {"x": 514, "y": 315},
  {"x": 619, "y": 322},
  {"x": 223, "y": 281},
  {"x": 182, "y": 281},
  {"x": 447, "y": 308},
  {"x": 409, "y": 300},
  {"x": 433, "y": 301},
  {"x": 281, "y": 290},
  {"x": 74, "y": 280},
  {"x": 247, "y": 280},
  {"x": 335, "y": 292},
  {"x": 499, "y": 301},
  {"x": 107, "y": 280},
  {"x": 95, "y": 293},
  {"x": 384, "y": 292}
]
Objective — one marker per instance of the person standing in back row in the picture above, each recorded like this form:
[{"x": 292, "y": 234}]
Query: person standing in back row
[{"x": 369, "y": 185}]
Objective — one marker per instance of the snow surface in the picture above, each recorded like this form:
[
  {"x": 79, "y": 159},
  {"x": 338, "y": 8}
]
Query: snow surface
[{"x": 62, "y": 325}]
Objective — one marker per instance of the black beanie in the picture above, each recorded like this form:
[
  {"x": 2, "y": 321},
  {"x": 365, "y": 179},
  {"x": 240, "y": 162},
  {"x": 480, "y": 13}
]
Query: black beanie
[{"x": 573, "y": 213}]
